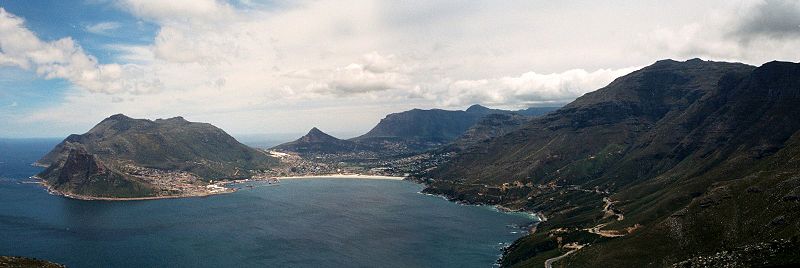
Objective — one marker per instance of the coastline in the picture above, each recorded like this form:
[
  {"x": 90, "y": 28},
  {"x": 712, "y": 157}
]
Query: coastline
[
  {"x": 537, "y": 216},
  {"x": 52, "y": 191},
  {"x": 226, "y": 190},
  {"x": 94, "y": 198},
  {"x": 343, "y": 176}
]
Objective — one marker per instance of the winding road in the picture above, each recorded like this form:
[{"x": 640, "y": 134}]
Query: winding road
[
  {"x": 594, "y": 230},
  {"x": 549, "y": 262}
]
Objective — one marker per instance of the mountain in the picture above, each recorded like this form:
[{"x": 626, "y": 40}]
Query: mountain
[
  {"x": 419, "y": 130},
  {"x": 490, "y": 126},
  {"x": 535, "y": 111},
  {"x": 126, "y": 157},
  {"x": 316, "y": 142},
  {"x": 677, "y": 163}
]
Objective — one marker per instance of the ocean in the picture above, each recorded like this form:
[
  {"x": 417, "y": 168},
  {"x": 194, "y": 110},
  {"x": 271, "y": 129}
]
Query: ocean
[{"x": 299, "y": 223}]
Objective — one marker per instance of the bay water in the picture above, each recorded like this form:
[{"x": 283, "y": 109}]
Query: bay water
[{"x": 332, "y": 222}]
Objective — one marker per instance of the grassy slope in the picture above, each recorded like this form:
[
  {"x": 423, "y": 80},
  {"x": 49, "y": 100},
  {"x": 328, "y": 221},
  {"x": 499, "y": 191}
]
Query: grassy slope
[
  {"x": 660, "y": 139},
  {"x": 89, "y": 164}
]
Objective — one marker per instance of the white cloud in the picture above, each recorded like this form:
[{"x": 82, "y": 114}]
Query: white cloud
[
  {"x": 212, "y": 60},
  {"x": 180, "y": 11},
  {"x": 753, "y": 32},
  {"x": 103, "y": 28},
  {"x": 530, "y": 88},
  {"x": 65, "y": 59},
  {"x": 373, "y": 73}
]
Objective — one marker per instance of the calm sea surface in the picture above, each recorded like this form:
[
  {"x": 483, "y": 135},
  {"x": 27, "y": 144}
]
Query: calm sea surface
[{"x": 300, "y": 223}]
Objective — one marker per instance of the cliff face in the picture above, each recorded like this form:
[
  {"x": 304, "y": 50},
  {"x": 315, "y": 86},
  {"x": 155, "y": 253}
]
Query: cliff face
[
  {"x": 423, "y": 129},
  {"x": 101, "y": 162},
  {"x": 80, "y": 172},
  {"x": 674, "y": 146}
]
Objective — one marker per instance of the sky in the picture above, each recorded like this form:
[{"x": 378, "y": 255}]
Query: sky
[{"x": 277, "y": 67}]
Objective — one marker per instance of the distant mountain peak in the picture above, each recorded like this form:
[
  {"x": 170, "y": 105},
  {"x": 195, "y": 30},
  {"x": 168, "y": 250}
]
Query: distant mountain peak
[
  {"x": 316, "y": 134},
  {"x": 674, "y": 62},
  {"x": 316, "y": 141},
  {"x": 478, "y": 108},
  {"x": 691, "y": 63},
  {"x": 118, "y": 117}
]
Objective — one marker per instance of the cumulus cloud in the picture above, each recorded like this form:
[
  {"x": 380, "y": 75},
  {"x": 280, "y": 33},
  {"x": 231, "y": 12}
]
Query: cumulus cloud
[
  {"x": 212, "y": 59},
  {"x": 530, "y": 88},
  {"x": 65, "y": 59},
  {"x": 103, "y": 28},
  {"x": 374, "y": 73}
]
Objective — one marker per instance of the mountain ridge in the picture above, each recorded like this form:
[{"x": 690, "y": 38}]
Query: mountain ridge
[
  {"x": 420, "y": 130},
  {"x": 653, "y": 142},
  {"x": 413, "y": 131}
]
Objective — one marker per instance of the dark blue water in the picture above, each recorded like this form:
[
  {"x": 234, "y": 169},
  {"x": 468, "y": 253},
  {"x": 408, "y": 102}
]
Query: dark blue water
[{"x": 301, "y": 223}]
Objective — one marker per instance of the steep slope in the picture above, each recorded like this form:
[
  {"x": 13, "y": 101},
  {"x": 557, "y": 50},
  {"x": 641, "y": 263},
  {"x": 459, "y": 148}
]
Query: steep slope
[
  {"x": 125, "y": 157},
  {"x": 653, "y": 145},
  {"x": 318, "y": 142},
  {"x": 490, "y": 126},
  {"x": 435, "y": 126}
]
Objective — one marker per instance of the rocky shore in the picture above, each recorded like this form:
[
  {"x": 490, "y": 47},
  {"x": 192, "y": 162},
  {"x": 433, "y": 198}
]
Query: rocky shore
[
  {"x": 222, "y": 187},
  {"x": 23, "y": 262}
]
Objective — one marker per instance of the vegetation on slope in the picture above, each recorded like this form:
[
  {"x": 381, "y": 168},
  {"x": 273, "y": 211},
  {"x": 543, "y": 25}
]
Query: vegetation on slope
[
  {"x": 672, "y": 147},
  {"x": 101, "y": 162},
  {"x": 420, "y": 130}
]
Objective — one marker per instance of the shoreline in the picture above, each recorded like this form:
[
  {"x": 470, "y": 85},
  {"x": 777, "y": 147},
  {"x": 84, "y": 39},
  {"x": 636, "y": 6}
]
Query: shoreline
[
  {"x": 343, "y": 176},
  {"x": 538, "y": 217},
  {"x": 93, "y": 198},
  {"x": 227, "y": 190},
  {"x": 52, "y": 191}
]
